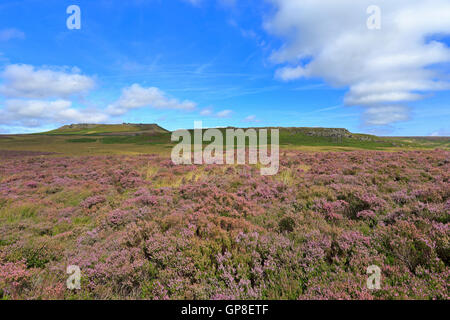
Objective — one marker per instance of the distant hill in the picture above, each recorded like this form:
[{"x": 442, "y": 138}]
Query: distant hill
[
  {"x": 337, "y": 133},
  {"x": 153, "y": 134},
  {"x": 124, "y": 129}
]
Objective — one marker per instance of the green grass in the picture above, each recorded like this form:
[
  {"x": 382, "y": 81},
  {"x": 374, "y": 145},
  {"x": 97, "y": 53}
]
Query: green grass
[
  {"x": 304, "y": 140},
  {"x": 83, "y": 220},
  {"x": 299, "y": 137},
  {"x": 97, "y": 141},
  {"x": 81, "y": 140},
  {"x": 70, "y": 198},
  {"x": 141, "y": 139},
  {"x": 99, "y": 129},
  {"x": 20, "y": 212}
]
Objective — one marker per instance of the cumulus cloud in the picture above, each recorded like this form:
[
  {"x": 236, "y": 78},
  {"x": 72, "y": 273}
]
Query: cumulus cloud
[
  {"x": 136, "y": 96},
  {"x": 40, "y": 112},
  {"x": 26, "y": 81},
  {"x": 41, "y": 96},
  {"x": 384, "y": 69},
  {"x": 11, "y": 33}
]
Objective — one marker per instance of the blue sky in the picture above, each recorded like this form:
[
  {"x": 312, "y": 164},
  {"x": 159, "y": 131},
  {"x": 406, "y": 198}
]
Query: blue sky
[{"x": 239, "y": 63}]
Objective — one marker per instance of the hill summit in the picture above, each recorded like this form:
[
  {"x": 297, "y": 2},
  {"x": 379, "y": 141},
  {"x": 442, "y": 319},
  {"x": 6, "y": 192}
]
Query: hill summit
[{"x": 110, "y": 129}]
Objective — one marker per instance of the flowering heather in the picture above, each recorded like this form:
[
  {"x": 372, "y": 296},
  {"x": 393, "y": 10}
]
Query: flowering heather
[{"x": 140, "y": 227}]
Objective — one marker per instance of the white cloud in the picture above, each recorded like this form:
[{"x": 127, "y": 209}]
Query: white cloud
[
  {"x": 251, "y": 118},
  {"x": 11, "y": 33},
  {"x": 384, "y": 115},
  {"x": 26, "y": 81},
  {"x": 40, "y": 112},
  {"x": 206, "y": 112},
  {"x": 223, "y": 113},
  {"x": 220, "y": 114},
  {"x": 41, "y": 96},
  {"x": 135, "y": 97},
  {"x": 329, "y": 39},
  {"x": 289, "y": 73},
  {"x": 441, "y": 133}
]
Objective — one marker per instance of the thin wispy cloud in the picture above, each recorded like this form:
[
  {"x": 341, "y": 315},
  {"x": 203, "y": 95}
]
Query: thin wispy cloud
[
  {"x": 441, "y": 133},
  {"x": 209, "y": 112},
  {"x": 251, "y": 118},
  {"x": 194, "y": 2},
  {"x": 310, "y": 87},
  {"x": 223, "y": 113},
  {"x": 10, "y": 34},
  {"x": 206, "y": 112}
]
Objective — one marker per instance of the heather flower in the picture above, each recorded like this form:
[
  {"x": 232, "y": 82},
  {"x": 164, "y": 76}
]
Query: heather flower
[
  {"x": 31, "y": 184},
  {"x": 225, "y": 232},
  {"x": 15, "y": 279},
  {"x": 366, "y": 214},
  {"x": 92, "y": 201}
]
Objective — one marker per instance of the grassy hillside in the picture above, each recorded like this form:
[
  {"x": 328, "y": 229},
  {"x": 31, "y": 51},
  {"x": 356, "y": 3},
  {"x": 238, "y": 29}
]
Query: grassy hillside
[
  {"x": 107, "y": 129},
  {"x": 83, "y": 139}
]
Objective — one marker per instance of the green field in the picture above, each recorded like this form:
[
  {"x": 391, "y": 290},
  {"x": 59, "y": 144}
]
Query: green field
[{"x": 150, "y": 138}]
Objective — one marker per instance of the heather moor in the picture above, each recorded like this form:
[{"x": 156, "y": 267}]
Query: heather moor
[
  {"x": 140, "y": 227},
  {"x": 224, "y": 150}
]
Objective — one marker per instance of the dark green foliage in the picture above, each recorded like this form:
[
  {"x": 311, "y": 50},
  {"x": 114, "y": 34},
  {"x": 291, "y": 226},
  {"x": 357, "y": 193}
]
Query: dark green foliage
[{"x": 287, "y": 224}]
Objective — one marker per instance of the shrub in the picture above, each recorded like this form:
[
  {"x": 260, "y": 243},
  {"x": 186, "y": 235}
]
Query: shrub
[{"x": 286, "y": 224}]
